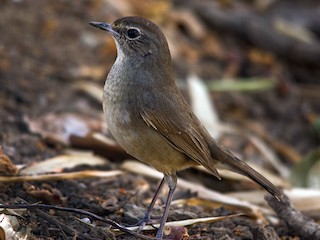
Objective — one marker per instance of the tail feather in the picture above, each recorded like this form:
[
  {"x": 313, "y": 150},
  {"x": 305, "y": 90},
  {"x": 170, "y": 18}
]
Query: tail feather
[{"x": 235, "y": 164}]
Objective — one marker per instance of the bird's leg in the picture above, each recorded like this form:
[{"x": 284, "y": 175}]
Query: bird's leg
[
  {"x": 172, "y": 183},
  {"x": 146, "y": 217}
]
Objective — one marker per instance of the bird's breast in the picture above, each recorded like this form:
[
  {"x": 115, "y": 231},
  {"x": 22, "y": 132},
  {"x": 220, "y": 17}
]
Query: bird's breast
[{"x": 124, "y": 121}]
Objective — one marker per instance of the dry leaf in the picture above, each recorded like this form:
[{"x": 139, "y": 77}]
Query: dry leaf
[
  {"x": 202, "y": 106},
  {"x": 92, "y": 72},
  {"x": 58, "y": 163},
  {"x": 293, "y": 30},
  {"x": 45, "y": 193},
  {"x": 176, "y": 232},
  {"x": 100, "y": 144},
  {"x": 10, "y": 228},
  {"x": 7, "y": 168},
  {"x": 187, "y": 222},
  {"x": 92, "y": 89},
  {"x": 59, "y": 127}
]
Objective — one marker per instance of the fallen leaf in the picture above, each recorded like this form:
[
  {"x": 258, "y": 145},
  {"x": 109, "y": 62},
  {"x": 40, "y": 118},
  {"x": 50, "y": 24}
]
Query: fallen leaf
[
  {"x": 45, "y": 193},
  {"x": 7, "y": 168},
  {"x": 202, "y": 106},
  {"x": 67, "y": 161},
  {"x": 10, "y": 229},
  {"x": 59, "y": 127}
]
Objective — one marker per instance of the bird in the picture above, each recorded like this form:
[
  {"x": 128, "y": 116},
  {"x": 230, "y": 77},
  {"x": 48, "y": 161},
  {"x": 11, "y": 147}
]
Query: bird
[{"x": 150, "y": 119}]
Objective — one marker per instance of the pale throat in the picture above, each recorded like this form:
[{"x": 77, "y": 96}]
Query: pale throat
[{"x": 120, "y": 53}]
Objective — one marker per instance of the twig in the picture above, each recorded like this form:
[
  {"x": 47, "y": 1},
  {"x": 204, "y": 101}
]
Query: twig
[
  {"x": 78, "y": 211},
  {"x": 63, "y": 227},
  {"x": 255, "y": 30},
  {"x": 60, "y": 176},
  {"x": 297, "y": 223},
  {"x": 279, "y": 146}
]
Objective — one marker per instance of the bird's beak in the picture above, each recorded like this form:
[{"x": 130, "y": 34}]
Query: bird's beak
[{"x": 105, "y": 26}]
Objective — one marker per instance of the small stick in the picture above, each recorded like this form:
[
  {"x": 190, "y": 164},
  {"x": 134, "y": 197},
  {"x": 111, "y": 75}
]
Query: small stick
[
  {"x": 78, "y": 211},
  {"x": 296, "y": 222}
]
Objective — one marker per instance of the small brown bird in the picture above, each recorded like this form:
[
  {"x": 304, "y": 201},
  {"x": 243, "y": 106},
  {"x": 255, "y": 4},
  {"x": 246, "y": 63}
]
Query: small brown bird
[{"x": 150, "y": 119}]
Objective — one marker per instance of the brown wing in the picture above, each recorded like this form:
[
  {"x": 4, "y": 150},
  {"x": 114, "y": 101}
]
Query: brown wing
[{"x": 173, "y": 119}]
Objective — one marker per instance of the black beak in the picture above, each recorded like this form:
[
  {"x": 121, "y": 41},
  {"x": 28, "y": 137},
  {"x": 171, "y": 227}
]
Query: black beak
[{"x": 105, "y": 26}]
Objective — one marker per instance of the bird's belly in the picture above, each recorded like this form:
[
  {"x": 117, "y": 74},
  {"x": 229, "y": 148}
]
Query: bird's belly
[{"x": 144, "y": 142}]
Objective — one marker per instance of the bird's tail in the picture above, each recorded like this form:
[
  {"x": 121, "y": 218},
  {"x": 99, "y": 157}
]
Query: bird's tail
[{"x": 231, "y": 162}]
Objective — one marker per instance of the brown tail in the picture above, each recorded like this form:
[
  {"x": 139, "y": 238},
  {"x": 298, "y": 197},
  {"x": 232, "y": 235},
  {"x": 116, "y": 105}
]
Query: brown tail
[{"x": 235, "y": 164}]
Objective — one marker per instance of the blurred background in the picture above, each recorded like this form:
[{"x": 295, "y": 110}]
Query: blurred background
[{"x": 259, "y": 61}]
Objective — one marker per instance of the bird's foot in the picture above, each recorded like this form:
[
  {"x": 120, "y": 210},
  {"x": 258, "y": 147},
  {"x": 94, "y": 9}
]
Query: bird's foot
[
  {"x": 159, "y": 234},
  {"x": 143, "y": 222}
]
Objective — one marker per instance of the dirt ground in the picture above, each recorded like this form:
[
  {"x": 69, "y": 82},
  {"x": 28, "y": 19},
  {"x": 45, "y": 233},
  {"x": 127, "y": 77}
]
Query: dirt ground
[{"x": 44, "y": 49}]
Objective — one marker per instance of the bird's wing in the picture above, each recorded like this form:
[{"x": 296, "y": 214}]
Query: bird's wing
[{"x": 173, "y": 119}]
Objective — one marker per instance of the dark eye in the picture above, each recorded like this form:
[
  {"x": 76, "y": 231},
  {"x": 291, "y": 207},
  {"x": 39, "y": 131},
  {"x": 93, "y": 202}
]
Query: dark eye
[{"x": 133, "y": 33}]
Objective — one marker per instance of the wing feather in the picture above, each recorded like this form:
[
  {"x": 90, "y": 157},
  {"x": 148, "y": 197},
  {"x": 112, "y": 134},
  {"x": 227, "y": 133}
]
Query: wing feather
[{"x": 182, "y": 130}]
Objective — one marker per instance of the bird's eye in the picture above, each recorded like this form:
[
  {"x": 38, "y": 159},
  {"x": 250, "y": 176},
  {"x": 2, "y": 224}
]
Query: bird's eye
[{"x": 133, "y": 33}]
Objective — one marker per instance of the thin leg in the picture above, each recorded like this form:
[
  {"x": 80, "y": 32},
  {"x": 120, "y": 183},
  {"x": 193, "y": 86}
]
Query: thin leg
[
  {"x": 172, "y": 183},
  {"x": 146, "y": 217}
]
